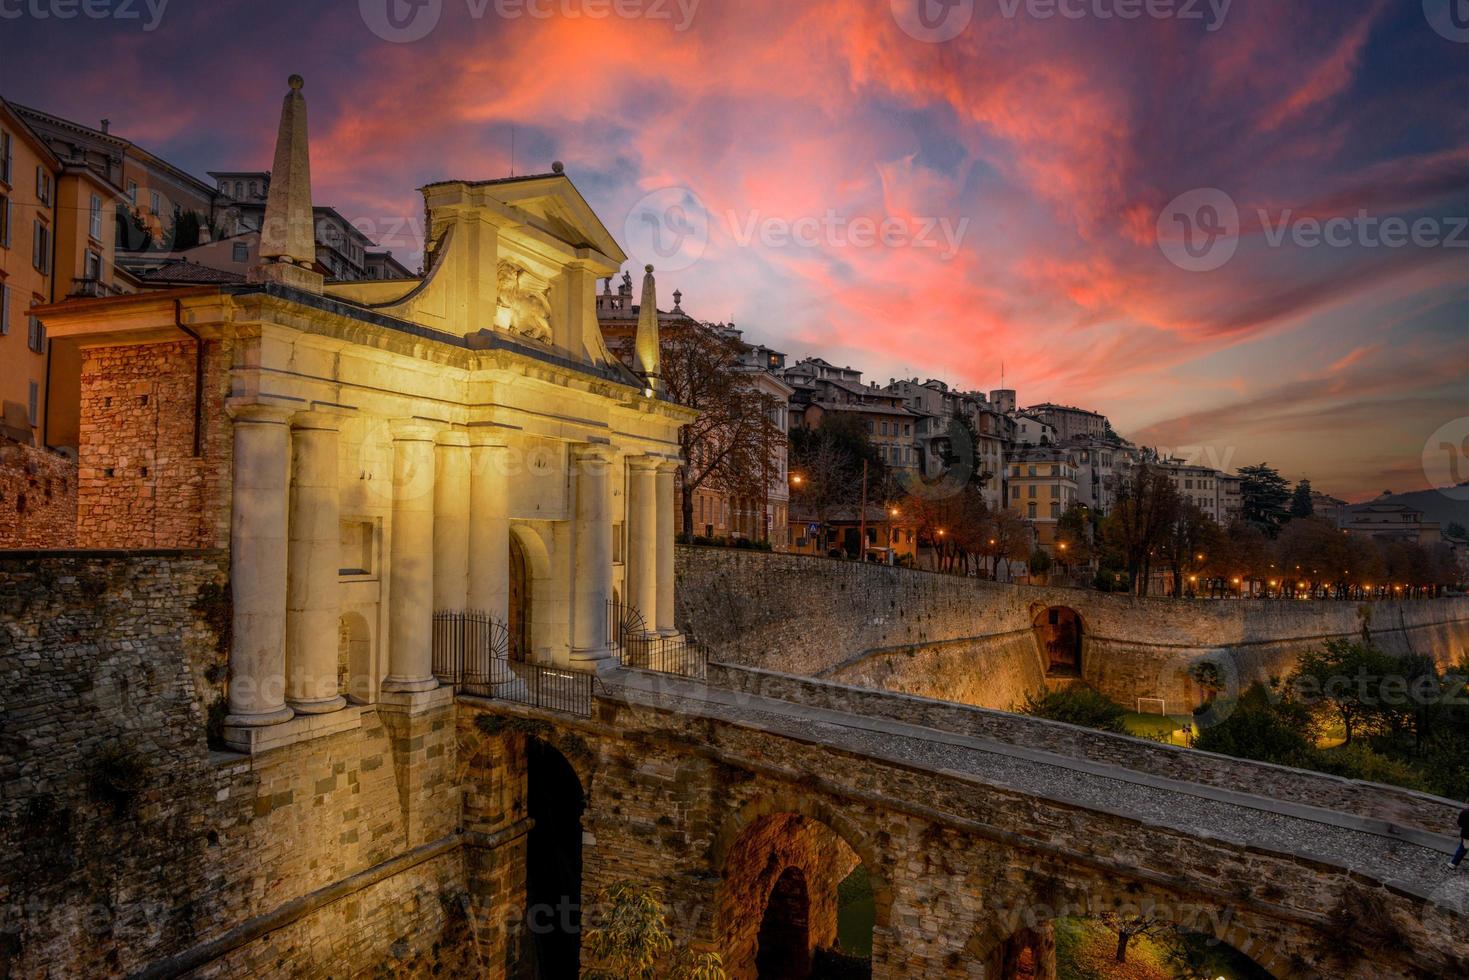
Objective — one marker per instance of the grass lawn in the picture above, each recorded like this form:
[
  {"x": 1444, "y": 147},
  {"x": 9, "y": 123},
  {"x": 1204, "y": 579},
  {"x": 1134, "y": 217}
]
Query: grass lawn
[
  {"x": 1087, "y": 950},
  {"x": 1156, "y": 726},
  {"x": 855, "y": 913}
]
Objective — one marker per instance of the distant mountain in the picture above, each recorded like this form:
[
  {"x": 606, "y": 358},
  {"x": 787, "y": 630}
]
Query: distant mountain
[{"x": 1436, "y": 505}]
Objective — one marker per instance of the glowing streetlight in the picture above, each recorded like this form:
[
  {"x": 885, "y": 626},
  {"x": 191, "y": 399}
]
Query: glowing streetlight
[{"x": 796, "y": 479}]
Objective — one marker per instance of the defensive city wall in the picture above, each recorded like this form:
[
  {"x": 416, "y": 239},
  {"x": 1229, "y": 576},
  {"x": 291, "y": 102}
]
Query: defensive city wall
[
  {"x": 396, "y": 844},
  {"x": 978, "y": 642}
]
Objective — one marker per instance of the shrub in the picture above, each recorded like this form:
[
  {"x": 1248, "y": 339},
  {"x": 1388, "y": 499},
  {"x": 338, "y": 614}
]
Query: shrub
[
  {"x": 1259, "y": 733},
  {"x": 1077, "y": 706}
]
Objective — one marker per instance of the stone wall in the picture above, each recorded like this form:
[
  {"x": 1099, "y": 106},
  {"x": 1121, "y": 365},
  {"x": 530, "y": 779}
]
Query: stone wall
[
  {"x": 38, "y": 497},
  {"x": 972, "y": 641},
  {"x": 710, "y": 811},
  {"x": 1374, "y": 800},
  {"x": 141, "y": 483},
  {"x": 127, "y": 845}
]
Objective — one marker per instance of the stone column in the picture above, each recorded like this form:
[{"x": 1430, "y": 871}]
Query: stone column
[
  {"x": 489, "y": 526},
  {"x": 258, "y": 565},
  {"x": 411, "y": 560},
  {"x": 642, "y": 538},
  {"x": 665, "y": 614},
  {"x": 451, "y": 522},
  {"x": 313, "y": 604},
  {"x": 592, "y": 570}
]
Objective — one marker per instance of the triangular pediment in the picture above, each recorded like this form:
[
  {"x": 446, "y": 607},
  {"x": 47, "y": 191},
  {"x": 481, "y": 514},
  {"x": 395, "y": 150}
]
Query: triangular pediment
[{"x": 553, "y": 202}]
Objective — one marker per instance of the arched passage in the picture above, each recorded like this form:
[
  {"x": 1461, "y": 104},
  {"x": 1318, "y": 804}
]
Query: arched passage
[
  {"x": 783, "y": 911},
  {"x": 1058, "y": 633},
  {"x": 520, "y": 603},
  {"x": 554, "y": 803},
  {"x": 783, "y": 946}
]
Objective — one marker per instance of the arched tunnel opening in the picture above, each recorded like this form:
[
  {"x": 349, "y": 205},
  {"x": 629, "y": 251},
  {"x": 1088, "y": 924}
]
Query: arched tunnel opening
[
  {"x": 1058, "y": 632},
  {"x": 553, "y": 862},
  {"x": 796, "y": 903}
]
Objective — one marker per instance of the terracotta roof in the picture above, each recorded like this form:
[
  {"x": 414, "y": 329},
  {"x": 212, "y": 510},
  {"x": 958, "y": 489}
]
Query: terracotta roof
[{"x": 191, "y": 273}]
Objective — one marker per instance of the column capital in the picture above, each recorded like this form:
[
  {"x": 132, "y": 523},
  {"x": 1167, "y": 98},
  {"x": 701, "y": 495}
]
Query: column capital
[
  {"x": 315, "y": 419},
  {"x": 416, "y": 429},
  {"x": 593, "y": 452},
  {"x": 454, "y": 437},
  {"x": 489, "y": 435},
  {"x": 644, "y": 463},
  {"x": 265, "y": 413},
  {"x": 669, "y": 465}
]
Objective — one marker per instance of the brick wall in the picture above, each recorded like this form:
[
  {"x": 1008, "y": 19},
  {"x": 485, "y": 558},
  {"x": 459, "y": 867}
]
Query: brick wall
[
  {"x": 126, "y": 843},
  {"x": 38, "y": 497},
  {"x": 141, "y": 484}
]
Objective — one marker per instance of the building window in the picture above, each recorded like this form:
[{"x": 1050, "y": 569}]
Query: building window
[
  {"x": 1030, "y": 510},
  {"x": 33, "y": 405},
  {"x": 36, "y": 334},
  {"x": 94, "y": 266},
  {"x": 6, "y": 156},
  {"x": 43, "y": 185},
  {"x": 241, "y": 252},
  {"x": 133, "y": 192},
  {"x": 1055, "y": 510},
  {"x": 95, "y": 228},
  {"x": 4, "y": 221},
  {"x": 41, "y": 248},
  {"x": 155, "y": 204},
  {"x": 1030, "y": 491}
]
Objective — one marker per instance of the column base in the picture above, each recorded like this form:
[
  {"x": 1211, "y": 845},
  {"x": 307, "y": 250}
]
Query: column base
[
  {"x": 300, "y": 728},
  {"x": 409, "y": 685},
  {"x": 318, "y": 706},
  {"x": 596, "y": 661},
  {"x": 259, "y": 719},
  {"x": 414, "y": 702}
]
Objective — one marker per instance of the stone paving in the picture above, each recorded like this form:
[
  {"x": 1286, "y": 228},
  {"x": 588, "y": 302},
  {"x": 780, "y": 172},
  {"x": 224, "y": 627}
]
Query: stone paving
[{"x": 1411, "y": 860}]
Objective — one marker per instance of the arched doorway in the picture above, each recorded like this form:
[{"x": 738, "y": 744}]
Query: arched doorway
[
  {"x": 520, "y": 603},
  {"x": 1058, "y": 634},
  {"x": 783, "y": 950},
  {"x": 797, "y": 899},
  {"x": 554, "y": 803}
]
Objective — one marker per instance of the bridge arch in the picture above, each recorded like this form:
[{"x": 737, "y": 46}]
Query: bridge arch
[
  {"x": 555, "y": 803},
  {"x": 1025, "y": 926},
  {"x": 781, "y": 857},
  {"x": 1059, "y": 633}
]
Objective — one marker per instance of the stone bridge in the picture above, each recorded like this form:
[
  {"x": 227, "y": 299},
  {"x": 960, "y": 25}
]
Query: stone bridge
[{"x": 748, "y": 799}]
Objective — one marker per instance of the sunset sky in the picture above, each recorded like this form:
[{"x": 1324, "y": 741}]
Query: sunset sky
[{"x": 1024, "y": 165}]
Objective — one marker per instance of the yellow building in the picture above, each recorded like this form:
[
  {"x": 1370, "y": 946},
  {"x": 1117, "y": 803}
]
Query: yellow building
[
  {"x": 1042, "y": 486},
  {"x": 56, "y": 240}
]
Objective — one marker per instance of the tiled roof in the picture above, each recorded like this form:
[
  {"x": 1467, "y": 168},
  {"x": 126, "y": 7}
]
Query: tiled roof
[{"x": 191, "y": 273}]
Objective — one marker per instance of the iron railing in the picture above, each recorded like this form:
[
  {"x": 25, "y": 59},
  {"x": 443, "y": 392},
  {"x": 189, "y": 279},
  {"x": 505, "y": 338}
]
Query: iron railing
[
  {"x": 472, "y": 654},
  {"x": 629, "y": 634}
]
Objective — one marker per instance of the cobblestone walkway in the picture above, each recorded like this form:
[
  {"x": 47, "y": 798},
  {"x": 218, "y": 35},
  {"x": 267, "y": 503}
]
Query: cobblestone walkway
[{"x": 1408, "y": 859}]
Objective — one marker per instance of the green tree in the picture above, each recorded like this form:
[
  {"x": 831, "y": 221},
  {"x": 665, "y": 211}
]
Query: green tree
[
  {"x": 1256, "y": 730},
  {"x": 1077, "y": 706},
  {"x": 1300, "y": 500},
  {"x": 1264, "y": 494},
  {"x": 1344, "y": 678},
  {"x": 633, "y": 941}
]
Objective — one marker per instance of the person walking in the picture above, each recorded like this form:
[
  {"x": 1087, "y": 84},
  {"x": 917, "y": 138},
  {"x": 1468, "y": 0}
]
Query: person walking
[{"x": 1463, "y": 839}]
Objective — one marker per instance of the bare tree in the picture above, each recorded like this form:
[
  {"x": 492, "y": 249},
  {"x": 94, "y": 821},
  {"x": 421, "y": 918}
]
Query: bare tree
[{"x": 730, "y": 446}]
